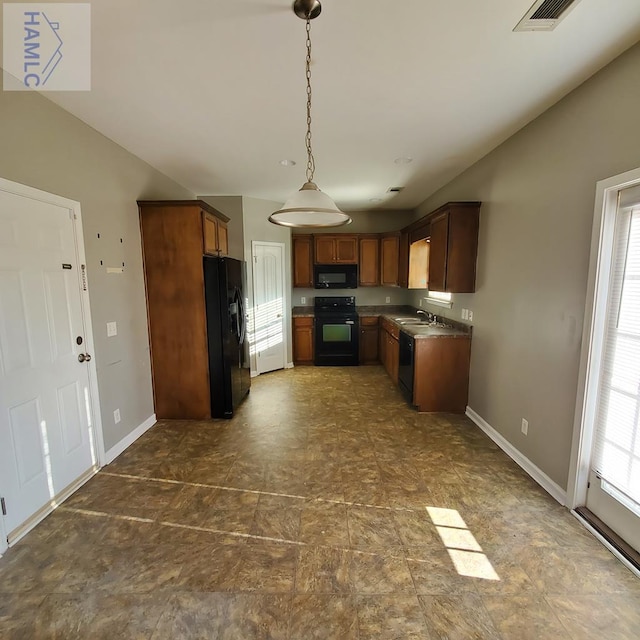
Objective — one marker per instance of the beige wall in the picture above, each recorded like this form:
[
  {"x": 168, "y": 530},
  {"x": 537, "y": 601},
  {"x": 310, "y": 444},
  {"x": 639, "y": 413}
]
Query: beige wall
[
  {"x": 47, "y": 148},
  {"x": 538, "y": 193},
  {"x": 377, "y": 221}
]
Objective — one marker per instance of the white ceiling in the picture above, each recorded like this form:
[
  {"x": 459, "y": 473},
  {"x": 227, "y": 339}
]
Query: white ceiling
[{"x": 211, "y": 92}]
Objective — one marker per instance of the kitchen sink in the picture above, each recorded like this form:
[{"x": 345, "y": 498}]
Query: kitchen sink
[{"x": 416, "y": 322}]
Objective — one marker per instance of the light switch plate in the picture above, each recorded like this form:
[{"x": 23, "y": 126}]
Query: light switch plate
[
  {"x": 112, "y": 329},
  {"x": 303, "y": 300},
  {"x": 116, "y": 416},
  {"x": 388, "y": 299}
]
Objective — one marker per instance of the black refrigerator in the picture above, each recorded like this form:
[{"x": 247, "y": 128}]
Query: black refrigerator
[{"x": 229, "y": 369}]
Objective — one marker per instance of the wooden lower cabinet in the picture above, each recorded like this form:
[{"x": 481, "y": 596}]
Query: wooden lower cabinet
[
  {"x": 303, "y": 341},
  {"x": 369, "y": 340},
  {"x": 441, "y": 374},
  {"x": 389, "y": 348}
]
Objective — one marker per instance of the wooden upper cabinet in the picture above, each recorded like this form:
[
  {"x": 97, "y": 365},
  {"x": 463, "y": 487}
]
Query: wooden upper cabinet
[
  {"x": 223, "y": 239},
  {"x": 454, "y": 247},
  {"x": 324, "y": 249},
  {"x": 302, "y": 262},
  {"x": 330, "y": 249},
  {"x": 403, "y": 260},
  {"x": 347, "y": 249},
  {"x": 210, "y": 226},
  {"x": 216, "y": 238},
  {"x": 389, "y": 250},
  {"x": 369, "y": 263},
  {"x": 438, "y": 253}
]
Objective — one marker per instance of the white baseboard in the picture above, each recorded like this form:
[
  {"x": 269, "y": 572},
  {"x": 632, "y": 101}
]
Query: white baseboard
[
  {"x": 41, "y": 514},
  {"x": 289, "y": 365},
  {"x": 127, "y": 441},
  {"x": 555, "y": 490}
]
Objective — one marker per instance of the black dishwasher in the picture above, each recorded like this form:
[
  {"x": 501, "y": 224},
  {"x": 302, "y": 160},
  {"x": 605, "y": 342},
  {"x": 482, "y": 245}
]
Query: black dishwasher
[{"x": 405, "y": 366}]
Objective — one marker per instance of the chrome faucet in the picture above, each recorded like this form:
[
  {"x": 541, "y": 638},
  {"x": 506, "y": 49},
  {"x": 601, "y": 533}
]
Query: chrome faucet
[{"x": 428, "y": 317}]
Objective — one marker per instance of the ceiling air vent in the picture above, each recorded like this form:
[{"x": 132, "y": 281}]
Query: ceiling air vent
[
  {"x": 545, "y": 15},
  {"x": 395, "y": 189}
]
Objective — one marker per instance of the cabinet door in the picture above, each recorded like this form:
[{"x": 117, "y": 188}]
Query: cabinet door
[
  {"x": 223, "y": 239},
  {"x": 346, "y": 251},
  {"x": 302, "y": 264},
  {"x": 325, "y": 249},
  {"x": 368, "y": 340},
  {"x": 389, "y": 263},
  {"x": 369, "y": 265},
  {"x": 394, "y": 358},
  {"x": 403, "y": 260},
  {"x": 462, "y": 250},
  {"x": 303, "y": 340},
  {"x": 382, "y": 346},
  {"x": 438, "y": 252},
  {"x": 210, "y": 226}
]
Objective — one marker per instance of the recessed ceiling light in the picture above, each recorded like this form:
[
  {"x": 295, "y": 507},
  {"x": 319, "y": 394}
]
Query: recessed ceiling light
[
  {"x": 403, "y": 160},
  {"x": 288, "y": 163}
]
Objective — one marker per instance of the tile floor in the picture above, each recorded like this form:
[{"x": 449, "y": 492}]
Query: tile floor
[{"x": 325, "y": 509}]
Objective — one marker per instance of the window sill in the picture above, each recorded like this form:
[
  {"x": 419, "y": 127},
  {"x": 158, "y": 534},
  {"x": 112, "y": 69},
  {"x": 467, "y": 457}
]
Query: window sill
[{"x": 439, "y": 303}]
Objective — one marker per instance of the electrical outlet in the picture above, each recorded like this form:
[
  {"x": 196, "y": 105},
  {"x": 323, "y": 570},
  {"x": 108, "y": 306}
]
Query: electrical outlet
[
  {"x": 420, "y": 301},
  {"x": 465, "y": 314},
  {"x": 112, "y": 329},
  {"x": 303, "y": 300},
  {"x": 470, "y": 316},
  {"x": 525, "y": 426},
  {"x": 388, "y": 300},
  {"x": 116, "y": 416}
]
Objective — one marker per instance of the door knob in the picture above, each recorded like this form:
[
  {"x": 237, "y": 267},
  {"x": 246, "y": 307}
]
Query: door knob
[{"x": 84, "y": 357}]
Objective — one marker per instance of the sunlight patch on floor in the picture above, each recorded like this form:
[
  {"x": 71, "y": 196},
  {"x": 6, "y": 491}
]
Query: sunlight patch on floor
[{"x": 463, "y": 549}]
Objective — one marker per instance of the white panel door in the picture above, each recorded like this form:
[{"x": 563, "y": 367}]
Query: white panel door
[
  {"x": 46, "y": 441},
  {"x": 268, "y": 299}
]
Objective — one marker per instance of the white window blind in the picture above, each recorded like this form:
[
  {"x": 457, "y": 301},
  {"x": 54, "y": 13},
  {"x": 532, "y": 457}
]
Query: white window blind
[{"x": 617, "y": 444}]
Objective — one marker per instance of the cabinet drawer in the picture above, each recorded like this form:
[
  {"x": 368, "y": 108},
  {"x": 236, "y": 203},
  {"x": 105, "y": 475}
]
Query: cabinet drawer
[
  {"x": 303, "y": 322},
  {"x": 371, "y": 321}
]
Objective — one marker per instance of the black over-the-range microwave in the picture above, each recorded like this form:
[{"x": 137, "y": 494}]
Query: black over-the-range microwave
[{"x": 335, "y": 276}]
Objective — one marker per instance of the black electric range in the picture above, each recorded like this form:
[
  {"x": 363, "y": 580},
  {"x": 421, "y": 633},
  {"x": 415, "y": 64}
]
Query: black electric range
[{"x": 336, "y": 331}]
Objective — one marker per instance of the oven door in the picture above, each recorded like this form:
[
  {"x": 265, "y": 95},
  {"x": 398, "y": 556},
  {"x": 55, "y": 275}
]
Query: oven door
[{"x": 336, "y": 341}]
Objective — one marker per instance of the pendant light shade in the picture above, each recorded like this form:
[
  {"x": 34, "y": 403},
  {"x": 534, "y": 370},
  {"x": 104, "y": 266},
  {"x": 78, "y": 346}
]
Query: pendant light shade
[{"x": 309, "y": 207}]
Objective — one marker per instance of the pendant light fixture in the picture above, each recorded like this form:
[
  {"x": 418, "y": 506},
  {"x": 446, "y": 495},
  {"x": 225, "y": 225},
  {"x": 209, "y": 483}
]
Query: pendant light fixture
[{"x": 309, "y": 207}]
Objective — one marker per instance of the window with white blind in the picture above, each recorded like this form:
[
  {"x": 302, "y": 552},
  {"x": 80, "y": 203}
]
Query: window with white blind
[{"x": 617, "y": 442}]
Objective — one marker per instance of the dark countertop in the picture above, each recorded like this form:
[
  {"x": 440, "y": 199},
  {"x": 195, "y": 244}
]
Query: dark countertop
[
  {"x": 376, "y": 310},
  {"x": 390, "y": 312}
]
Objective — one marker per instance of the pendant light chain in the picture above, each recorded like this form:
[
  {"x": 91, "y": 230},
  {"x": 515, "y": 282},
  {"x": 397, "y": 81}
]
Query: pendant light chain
[{"x": 311, "y": 163}]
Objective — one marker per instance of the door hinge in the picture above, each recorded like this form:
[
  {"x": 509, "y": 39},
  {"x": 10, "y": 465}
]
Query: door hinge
[
  {"x": 588, "y": 485},
  {"x": 4, "y": 506}
]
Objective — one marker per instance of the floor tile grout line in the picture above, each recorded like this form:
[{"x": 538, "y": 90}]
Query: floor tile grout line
[
  {"x": 260, "y": 492},
  {"x": 233, "y": 534}
]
